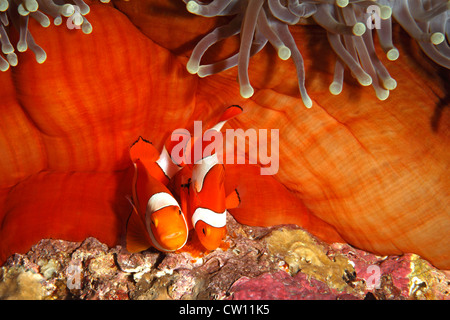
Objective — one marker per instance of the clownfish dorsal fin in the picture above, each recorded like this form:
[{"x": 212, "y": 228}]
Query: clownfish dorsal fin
[
  {"x": 137, "y": 236},
  {"x": 231, "y": 112},
  {"x": 228, "y": 114},
  {"x": 144, "y": 150},
  {"x": 168, "y": 167},
  {"x": 233, "y": 200}
]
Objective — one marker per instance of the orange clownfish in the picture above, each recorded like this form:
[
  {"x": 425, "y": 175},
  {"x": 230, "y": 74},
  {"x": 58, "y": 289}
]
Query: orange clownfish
[
  {"x": 206, "y": 202},
  {"x": 156, "y": 220}
]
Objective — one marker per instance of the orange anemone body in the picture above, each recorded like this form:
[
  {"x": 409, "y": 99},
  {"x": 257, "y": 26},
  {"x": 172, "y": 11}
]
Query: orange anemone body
[
  {"x": 376, "y": 172},
  {"x": 72, "y": 119}
]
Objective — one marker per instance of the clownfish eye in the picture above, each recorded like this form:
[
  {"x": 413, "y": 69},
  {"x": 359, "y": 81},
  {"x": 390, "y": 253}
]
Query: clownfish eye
[
  {"x": 204, "y": 231},
  {"x": 179, "y": 212}
]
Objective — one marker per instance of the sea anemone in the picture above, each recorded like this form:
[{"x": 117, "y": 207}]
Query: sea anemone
[
  {"x": 19, "y": 12},
  {"x": 374, "y": 171},
  {"x": 349, "y": 25}
]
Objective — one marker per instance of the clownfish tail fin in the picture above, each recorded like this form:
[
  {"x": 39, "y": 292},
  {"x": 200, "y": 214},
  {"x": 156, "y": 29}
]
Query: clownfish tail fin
[
  {"x": 137, "y": 239},
  {"x": 233, "y": 200},
  {"x": 144, "y": 150}
]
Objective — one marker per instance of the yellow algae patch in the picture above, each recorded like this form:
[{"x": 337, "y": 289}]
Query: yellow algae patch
[
  {"x": 19, "y": 284},
  {"x": 426, "y": 282},
  {"x": 303, "y": 253}
]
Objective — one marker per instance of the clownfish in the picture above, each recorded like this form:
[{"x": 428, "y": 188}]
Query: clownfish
[
  {"x": 156, "y": 219},
  {"x": 193, "y": 143},
  {"x": 203, "y": 195},
  {"x": 207, "y": 202}
]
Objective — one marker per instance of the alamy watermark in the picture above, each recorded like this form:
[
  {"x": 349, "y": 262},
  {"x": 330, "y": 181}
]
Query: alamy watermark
[
  {"x": 373, "y": 281},
  {"x": 75, "y": 20},
  {"x": 373, "y": 20},
  {"x": 230, "y": 149},
  {"x": 73, "y": 273}
]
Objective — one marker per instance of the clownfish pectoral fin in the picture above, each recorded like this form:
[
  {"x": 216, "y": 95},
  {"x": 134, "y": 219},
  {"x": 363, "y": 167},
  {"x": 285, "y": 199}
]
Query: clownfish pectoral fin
[
  {"x": 233, "y": 200},
  {"x": 144, "y": 150},
  {"x": 137, "y": 236}
]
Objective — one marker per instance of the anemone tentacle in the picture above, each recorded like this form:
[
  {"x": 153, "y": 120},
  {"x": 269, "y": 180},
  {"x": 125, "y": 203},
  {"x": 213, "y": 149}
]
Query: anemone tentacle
[
  {"x": 18, "y": 13},
  {"x": 349, "y": 25}
]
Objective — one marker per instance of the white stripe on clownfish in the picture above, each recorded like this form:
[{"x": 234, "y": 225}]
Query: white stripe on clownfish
[
  {"x": 218, "y": 126},
  {"x": 214, "y": 219},
  {"x": 161, "y": 200},
  {"x": 166, "y": 164},
  {"x": 201, "y": 169},
  {"x": 157, "y": 202}
]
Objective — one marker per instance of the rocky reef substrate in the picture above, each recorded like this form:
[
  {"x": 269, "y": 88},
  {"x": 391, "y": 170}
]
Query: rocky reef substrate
[{"x": 283, "y": 262}]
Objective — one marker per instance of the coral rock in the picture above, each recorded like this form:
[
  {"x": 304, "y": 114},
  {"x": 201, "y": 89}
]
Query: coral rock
[{"x": 259, "y": 263}]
